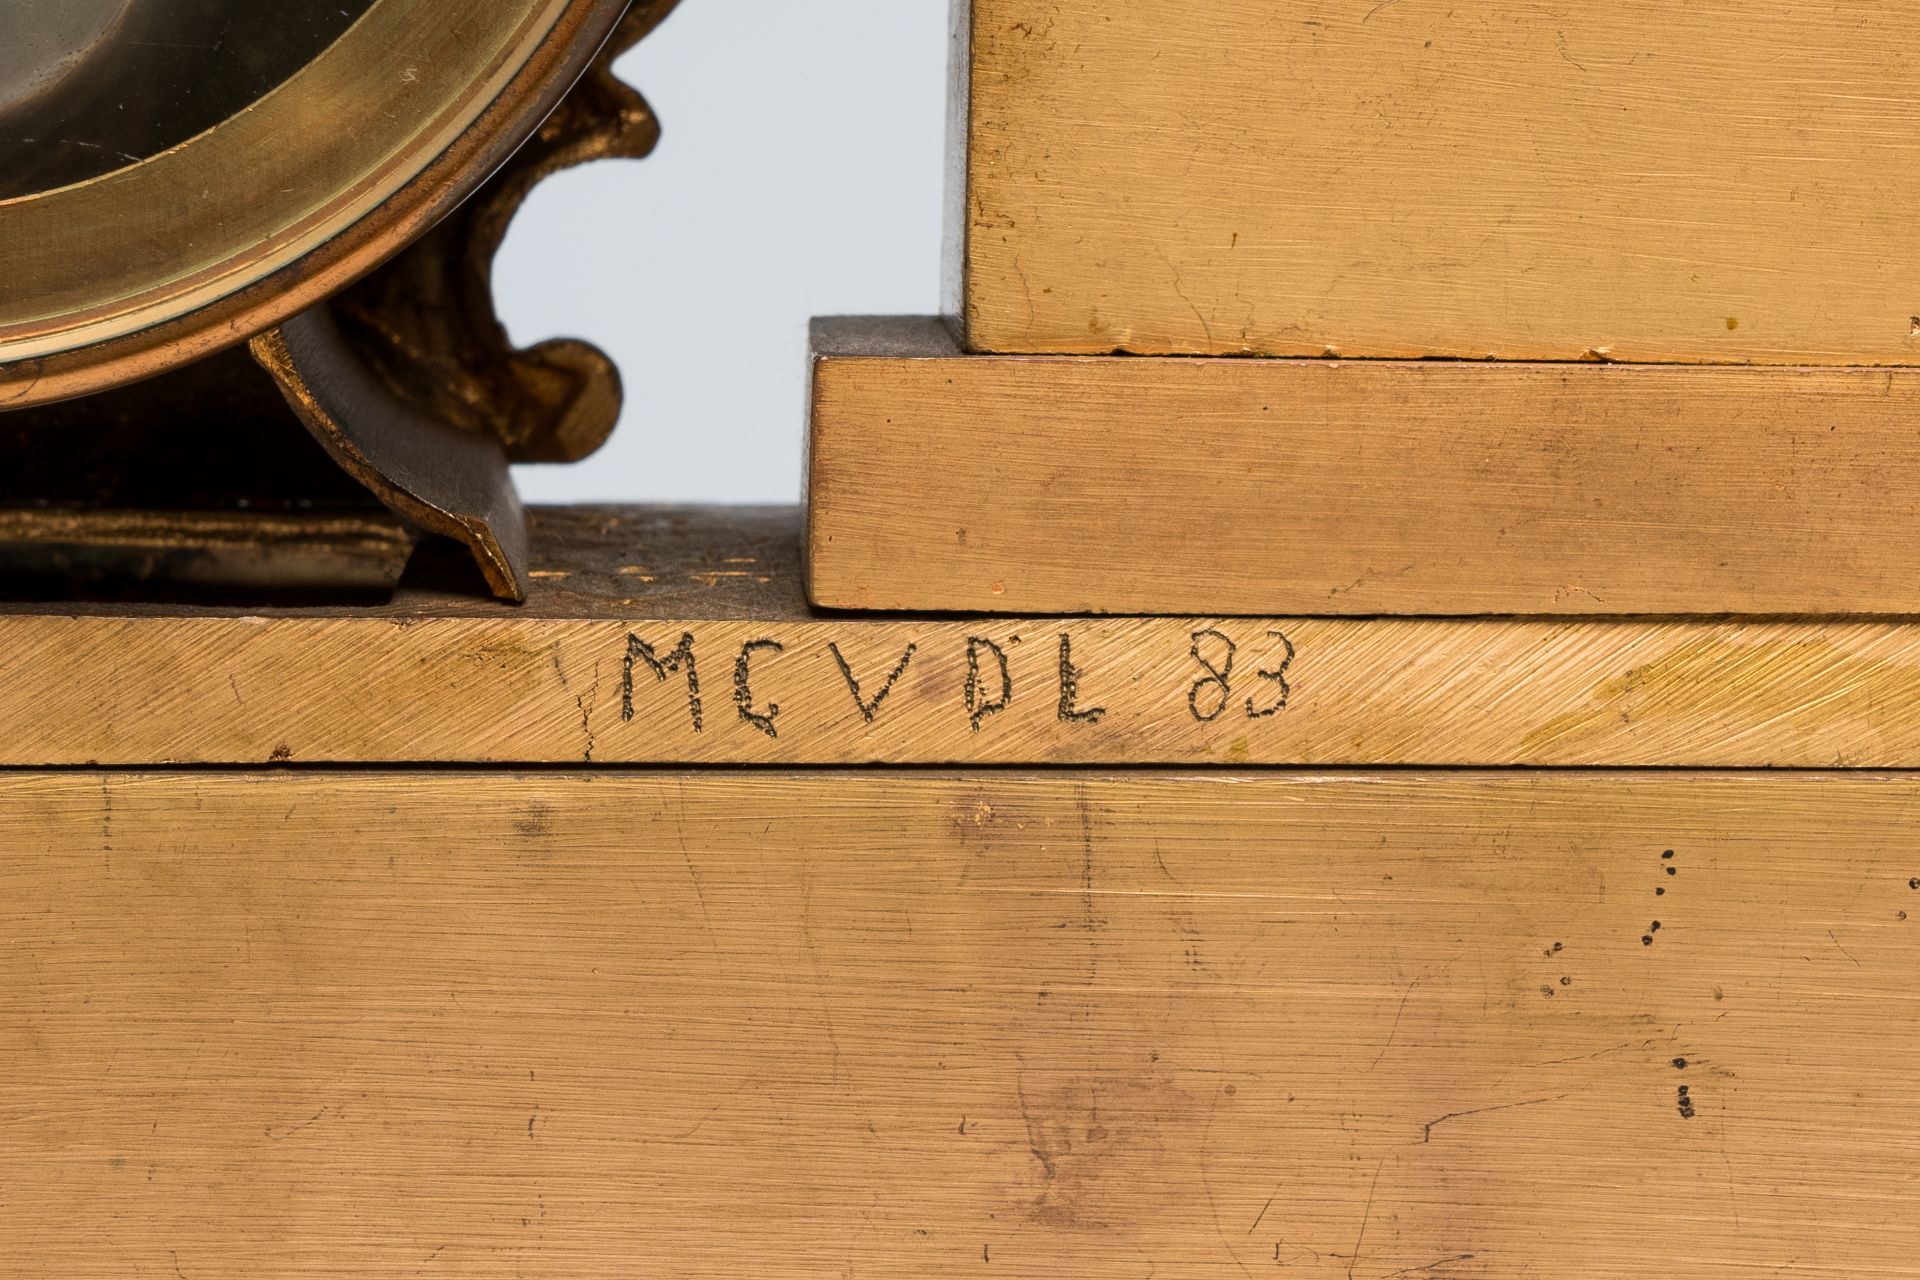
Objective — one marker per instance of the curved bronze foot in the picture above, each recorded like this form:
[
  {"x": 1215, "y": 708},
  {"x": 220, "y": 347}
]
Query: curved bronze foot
[
  {"x": 430, "y": 473},
  {"x": 408, "y": 378}
]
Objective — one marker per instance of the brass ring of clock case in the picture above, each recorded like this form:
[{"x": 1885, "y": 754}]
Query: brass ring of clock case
[{"x": 236, "y": 230}]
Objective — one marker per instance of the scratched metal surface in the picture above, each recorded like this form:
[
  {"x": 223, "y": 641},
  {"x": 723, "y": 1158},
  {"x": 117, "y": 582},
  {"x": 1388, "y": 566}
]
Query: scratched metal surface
[
  {"x": 682, "y": 637},
  {"x": 1722, "y": 181},
  {"x": 911, "y": 1023}
]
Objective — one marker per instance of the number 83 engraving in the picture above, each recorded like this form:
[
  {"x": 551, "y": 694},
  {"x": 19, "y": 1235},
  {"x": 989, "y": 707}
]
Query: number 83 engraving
[{"x": 1213, "y": 693}]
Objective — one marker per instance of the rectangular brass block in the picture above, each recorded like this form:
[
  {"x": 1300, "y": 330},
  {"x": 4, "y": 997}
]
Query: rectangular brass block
[
  {"x": 372, "y": 1024},
  {"x": 1114, "y": 484},
  {"x": 1709, "y": 182},
  {"x": 681, "y": 637}
]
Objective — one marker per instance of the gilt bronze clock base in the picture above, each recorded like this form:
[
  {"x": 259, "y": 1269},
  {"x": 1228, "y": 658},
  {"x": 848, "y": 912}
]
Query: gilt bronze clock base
[{"x": 310, "y": 461}]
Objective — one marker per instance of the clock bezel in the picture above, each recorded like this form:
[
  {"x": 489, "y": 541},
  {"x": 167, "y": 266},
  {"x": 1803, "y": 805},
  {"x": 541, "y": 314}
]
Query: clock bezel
[{"x": 223, "y": 237}]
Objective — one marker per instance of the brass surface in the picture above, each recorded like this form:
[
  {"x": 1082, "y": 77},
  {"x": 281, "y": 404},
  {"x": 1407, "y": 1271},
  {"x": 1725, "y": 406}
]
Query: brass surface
[
  {"x": 1138, "y": 484},
  {"x": 256, "y": 219},
  {"x": 1040, "y": 1024},
  {"x": 1724, "y": 182},
  {"x": 636, "y": 614}
]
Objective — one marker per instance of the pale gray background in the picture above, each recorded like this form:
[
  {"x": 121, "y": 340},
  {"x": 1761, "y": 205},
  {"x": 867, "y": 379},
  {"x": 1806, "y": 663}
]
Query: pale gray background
[{"x": 799, "y": 174}]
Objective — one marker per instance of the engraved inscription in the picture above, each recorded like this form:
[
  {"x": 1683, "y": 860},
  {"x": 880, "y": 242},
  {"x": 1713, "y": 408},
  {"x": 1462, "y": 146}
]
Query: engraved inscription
[
  {"x": 1211, "y": 694},
  {"x": 743, "y": 687},
  {"x": 1215, "y": 689},
  {"x": 1237, "y": 673},
  {"x": 980, "y": 707},
  {"x": 1278, "y": 677},
  {"x": 870, "y": 709},
  {"x": 1070, "y": 688},
  {"x": 679, "y": 657}
]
